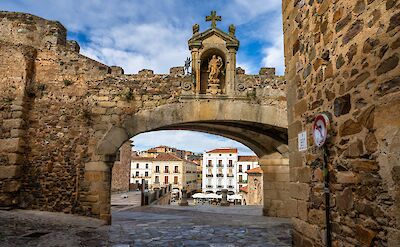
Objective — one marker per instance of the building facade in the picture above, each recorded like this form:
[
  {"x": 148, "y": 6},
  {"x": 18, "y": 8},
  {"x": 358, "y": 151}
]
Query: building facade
[
  {"x": 219, "y": 171},
  {"x": 141, "y": 168},
  {"x": 244, "y": 164},
  {"x": 253, "y": 191},
  {"x": 170, "y": 169}
]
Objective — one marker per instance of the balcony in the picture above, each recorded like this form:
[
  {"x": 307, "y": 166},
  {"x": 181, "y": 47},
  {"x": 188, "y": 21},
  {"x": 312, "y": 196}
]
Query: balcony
[
  {"x": 209, "y": 186},
  {"x": 209, "y": 165},
  {"x": 230, "y": 175},
  {"x": 230, "y": 165},
  {"x": 209, "y": 175},
  {"x": 243, "y": 181},
  {"x": 220, "y": 186},
  {"x": 220, "y": 165},
  {"x": 220, "y": 175},
  {"x": 230, "y": 186}
]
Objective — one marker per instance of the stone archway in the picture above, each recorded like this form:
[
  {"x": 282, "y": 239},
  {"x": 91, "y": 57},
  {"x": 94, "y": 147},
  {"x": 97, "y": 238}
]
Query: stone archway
[{"x": 261, "y": 128}]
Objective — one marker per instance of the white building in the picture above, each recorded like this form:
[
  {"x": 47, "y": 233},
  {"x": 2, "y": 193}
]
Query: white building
[
  {"x": 141, "y": 168},
  {"x": 219, "y": 171},
  {"x": 244, "y": 164}
]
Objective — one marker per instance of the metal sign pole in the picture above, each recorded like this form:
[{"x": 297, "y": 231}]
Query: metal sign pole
[{"x": 327, "y": 196}]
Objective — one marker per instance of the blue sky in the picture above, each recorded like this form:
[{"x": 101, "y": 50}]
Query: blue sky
[{"x": 153, "y": 34}]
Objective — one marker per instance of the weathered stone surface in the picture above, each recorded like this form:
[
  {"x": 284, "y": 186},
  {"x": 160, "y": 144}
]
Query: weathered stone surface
[
  {"x": 346, "y": 177},
  {"x": 366, "y": 118},
  {"x": 364, "y": 235},
  {"x": 371, "y": 144},
  {"x": 355, "y": 149},
  {"x": 394, "y": 22},
  {"x": 344, "y": 200},
  {"x": 358, "y": 80},
  {"x": 388, "y": 64},
  {"x": 355, "y": 29},
  {"x": 389, "y": 86},
  {"x": 342, "y": 105},
  {"x": 10, "y": 171},
  {"x": 364, "y": 165},
  {"x": 349, "y": 127}
]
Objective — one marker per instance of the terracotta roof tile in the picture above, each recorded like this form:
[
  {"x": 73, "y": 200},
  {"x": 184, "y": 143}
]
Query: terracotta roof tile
[
  {"x": 251, "y": 158},
  {"x": 245, "y": 189},
  {"x": 223, "y": 150},
  {"x": 255, "y": 170}
]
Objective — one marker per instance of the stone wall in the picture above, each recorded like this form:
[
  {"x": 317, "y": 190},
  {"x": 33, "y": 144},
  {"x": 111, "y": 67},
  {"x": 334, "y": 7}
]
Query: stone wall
[
  {"x": 342, "y": 59},
  {"x": 121, "y": 170},
  {"x": 63, "y": 115}
]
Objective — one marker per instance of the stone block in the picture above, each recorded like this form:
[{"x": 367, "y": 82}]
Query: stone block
[
  {"x": 364, "y": 235},
  {"x": 97, "y": 166},
  {"x": 346, "y": 177},
  {"x": 99, "y": 110},
  {"x": 11, "y": 186},
  {"x": 308, "y": 230},
  {"x": 13, "y": 123},
  {"x": 344, "y": 200},
  {"x": 17, "y": 133},
  {"x": 299, "y": 191},
  {"x": 302, "y": 209},
  {"x": 10, "y": 171},
  {"x": 304, "y": 174},
  {"x": 10, "y": 145}
]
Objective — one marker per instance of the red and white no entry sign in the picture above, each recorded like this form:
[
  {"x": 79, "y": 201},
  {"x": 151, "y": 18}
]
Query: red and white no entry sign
[{"x": 320, "y": 129}]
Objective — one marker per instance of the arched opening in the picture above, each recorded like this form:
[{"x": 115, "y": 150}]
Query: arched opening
[
  {"x": 261, "y": 128},
  {"x": 204, "y": 69}
]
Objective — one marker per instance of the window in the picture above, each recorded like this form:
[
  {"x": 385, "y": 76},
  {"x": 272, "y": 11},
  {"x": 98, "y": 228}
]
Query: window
[
  {"x": 147, "y": 166},
  {"x": 176, "y": 169},
  {"x": 209, "y": 162},
  {"x": 240, "y": 178},
  {"x": 137, "y": 166},
  {"x": 157, "y": 169},
  {"x": 137, "y": 174},
  {"x": 137, "y": 181},
  {"x": 157, "y": 180},
  {"x": 176, "y": 180},
  {"x": 240, "y": 168},
  {"x": 230, "y": 163},
  {"x": 166, "y": 180},
  {"x": 220, "y": 162},
  {"x": 166, "y": 169},
  {"x": 248, "y": 167},
  {"x": 146, "y": 174}
]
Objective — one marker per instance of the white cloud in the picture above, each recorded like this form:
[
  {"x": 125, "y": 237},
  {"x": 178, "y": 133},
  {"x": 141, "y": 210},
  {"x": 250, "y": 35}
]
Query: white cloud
[
  {"x": 274, "y": 56},
  {"x": 199, "y": 142}
]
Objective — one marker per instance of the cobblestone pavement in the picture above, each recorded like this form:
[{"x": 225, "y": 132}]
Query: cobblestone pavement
[{"x": 147, "y": 226}]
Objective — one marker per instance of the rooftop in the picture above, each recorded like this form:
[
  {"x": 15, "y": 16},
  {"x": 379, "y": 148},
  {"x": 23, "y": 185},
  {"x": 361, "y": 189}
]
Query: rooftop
[
  {"x": 223, "y": 150},
  {"x": 255, "y": 170},
  {"x": 251, "y": 158}
]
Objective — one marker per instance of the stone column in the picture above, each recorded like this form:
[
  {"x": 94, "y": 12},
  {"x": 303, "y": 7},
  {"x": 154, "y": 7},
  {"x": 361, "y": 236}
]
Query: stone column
[
  {"x": 98, "y": 197},
  {"x": 224, "y": 201},
  {"x": 276, "y": 181},
  {"x": 184, "y": 201},
  {"x": 196, "y": 68},
  {"x": 230, "y": 71}
]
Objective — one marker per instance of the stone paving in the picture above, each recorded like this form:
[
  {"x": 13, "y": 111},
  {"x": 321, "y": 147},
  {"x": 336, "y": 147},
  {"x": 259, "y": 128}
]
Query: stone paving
[{"x": 147, "y": 226}]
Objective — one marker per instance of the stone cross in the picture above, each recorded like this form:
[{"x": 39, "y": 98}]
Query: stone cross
[{"x": 213, "y": 18}]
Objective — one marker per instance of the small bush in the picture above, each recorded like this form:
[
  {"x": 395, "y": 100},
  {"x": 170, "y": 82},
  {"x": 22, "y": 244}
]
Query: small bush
[
  {"x": 68, "y": 82},
  {"x": 128, "y": 95}
]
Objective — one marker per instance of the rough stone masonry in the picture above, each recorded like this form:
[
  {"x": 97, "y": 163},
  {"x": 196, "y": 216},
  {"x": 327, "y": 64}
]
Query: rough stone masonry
[
  {"x": 342, "y": 59},
  {"x": 64, "y": 116}
]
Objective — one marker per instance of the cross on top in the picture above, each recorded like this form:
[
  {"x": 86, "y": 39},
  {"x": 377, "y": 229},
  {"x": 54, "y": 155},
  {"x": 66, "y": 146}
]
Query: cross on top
[{"x": 213, "y": 18}]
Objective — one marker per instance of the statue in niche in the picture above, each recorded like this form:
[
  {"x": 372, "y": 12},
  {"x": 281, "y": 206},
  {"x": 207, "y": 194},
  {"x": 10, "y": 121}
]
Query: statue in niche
[{"x": 214, "y": 68}]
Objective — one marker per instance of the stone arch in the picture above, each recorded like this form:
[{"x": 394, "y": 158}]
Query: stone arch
[
  {"x": 263, "y": 128},
  {"x": 260, "y": 127}
]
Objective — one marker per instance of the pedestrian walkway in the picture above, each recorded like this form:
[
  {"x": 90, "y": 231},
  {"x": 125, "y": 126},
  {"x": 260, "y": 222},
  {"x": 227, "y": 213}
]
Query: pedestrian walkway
[{"x": 147, "y": 226}]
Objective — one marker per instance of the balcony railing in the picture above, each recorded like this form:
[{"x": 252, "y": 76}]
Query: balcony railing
[
  {"x": 219, "y": 186},
  {"x": 209, "y": 175},
  {"x": 230, "y": 186},
  {"x": 230, "y": 165},
  {"x": 220, "y": 175},
  {"x": 220, "y": 165},
  {"x": 243, "y": 181},
  {"x": 209, "y": 165},
  {"x": 209, "y": 186},
  {"x": 230, "y": 175}
]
